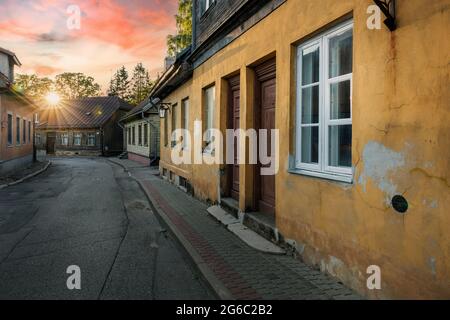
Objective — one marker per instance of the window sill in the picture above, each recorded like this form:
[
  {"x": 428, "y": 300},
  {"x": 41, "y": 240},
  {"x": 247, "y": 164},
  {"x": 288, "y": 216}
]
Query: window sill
[{"x": 322, "y": 175}]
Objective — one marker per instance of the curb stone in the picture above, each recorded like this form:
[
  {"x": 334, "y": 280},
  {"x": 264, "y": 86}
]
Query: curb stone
[{"x": 32, "y": 175}]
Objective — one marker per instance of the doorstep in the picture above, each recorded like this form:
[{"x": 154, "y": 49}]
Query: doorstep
[
  {"x": 261, "y": 223},
  {"x": 247, "y": 235}
]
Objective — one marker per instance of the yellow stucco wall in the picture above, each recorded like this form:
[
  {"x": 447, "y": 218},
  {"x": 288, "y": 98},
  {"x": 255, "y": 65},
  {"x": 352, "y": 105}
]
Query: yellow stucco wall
[{"x": 401, "y": 143}]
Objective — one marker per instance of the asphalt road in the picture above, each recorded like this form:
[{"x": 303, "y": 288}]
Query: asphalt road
[{"x": 88, "y": 213}]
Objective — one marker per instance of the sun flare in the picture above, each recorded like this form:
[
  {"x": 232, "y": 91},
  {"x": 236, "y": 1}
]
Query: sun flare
[{"x": 53, "y": 98}]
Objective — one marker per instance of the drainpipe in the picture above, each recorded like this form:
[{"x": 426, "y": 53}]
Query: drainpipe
[
  {"x": 124, "y": 142},
  {"x": 148, "y": 140}
]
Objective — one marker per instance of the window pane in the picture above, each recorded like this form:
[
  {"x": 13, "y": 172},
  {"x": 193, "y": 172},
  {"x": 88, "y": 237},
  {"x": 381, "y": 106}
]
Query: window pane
[
  {"x": 310, "y": 105},
  {"x": 310, "y": 145},
  {"x": 341, "y": 54},
  {"x": 310, "y": 65},
  {"x": 340, "y": 100},
  {"x": 340, "y": 146}
]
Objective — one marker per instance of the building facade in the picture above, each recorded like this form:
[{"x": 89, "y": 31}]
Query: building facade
[
  {"x": 362, "y": 116},
  {"x": 85, "y": 127},
  {"x": 17, "y": 115},
  {"x": 141, "y": 131}
]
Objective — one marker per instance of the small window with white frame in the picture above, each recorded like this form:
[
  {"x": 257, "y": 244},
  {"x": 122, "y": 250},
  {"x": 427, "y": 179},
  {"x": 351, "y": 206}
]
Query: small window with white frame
[
  {"x": 205, "y": 5},
  {"x": 18, "y": 131},
  {"x": 208, "y": 116},
  {"x": 64, "y": 139},
  {"x": 324, "y": 105},
  {"x": 77, "y": 139},
  {"x": 91, "y": 139}
]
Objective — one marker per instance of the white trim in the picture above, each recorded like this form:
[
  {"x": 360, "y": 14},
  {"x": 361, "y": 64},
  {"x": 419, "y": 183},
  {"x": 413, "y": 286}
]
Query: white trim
[{"x": 321, "y": 169}]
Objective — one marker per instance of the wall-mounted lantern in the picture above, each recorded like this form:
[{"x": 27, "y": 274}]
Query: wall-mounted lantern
[
  {"x": 162, "y": 107},
  {"x": 388, "y": 8}
]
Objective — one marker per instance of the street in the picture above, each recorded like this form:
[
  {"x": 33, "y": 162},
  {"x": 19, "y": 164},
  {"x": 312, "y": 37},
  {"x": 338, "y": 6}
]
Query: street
[{"x": 88, "y": 213}]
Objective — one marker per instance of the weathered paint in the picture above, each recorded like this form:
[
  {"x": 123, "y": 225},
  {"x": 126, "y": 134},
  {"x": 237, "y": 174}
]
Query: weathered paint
[{"x": 401, "y": 143}]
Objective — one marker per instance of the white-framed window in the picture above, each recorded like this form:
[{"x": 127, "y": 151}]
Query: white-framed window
[
  {"x": 174, "y": 124},
  {"x": 29, "y": 132},
  {"x": 133, "y": 135},
  {"x": 64, "y": 139},
  {"x": 91, "y": 139},
  {"x": 24, "y": 132},
  {"x": 205, "y": 5},
  {"x": 208, "y": 119},
  {"x": 145, "y": 134},
  {"x": 185, "y": 119},
  {"x": 38, "y": 138},
  {"x": 324, "y": 105},
  {"x": 77, "y": 139},
  {"x": 18, "y": 131},
  {"x": 140, "y": 134},
  {"x": 10, "y": 129}
]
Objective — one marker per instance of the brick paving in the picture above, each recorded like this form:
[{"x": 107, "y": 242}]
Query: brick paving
[{"x": 245, "y": 272}]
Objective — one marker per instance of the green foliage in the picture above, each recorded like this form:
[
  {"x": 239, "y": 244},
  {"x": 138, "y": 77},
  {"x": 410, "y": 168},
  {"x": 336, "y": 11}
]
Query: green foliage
[
  {"x": 67, "y": 85},
  {"x": 120, "y": 85},
  {"x": 141, "y": 84},
  {"x": 33, "y": 86},
  {"x": 76, "y": 85},
  {"x": 134, "y": 91},
  {"x": 183, "y": 38}
]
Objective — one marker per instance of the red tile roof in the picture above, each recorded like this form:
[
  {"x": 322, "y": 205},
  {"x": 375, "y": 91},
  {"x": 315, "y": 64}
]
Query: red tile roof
[{"x": 81, "y": 113}]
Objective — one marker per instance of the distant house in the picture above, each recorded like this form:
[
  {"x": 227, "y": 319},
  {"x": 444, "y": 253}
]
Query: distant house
[
  {"x": 16, "y": 119},
  {"x": 141, "y": 126},
  {"x": 85, "y": 126}
]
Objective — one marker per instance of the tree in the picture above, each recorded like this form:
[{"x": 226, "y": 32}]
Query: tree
[
  {"x": 141, "y": 84},
  {"x": 120, "y": 85},
  {"x": 33, "y": 86},
  {"x": 183, "y": 38},
  {"x": 76, "y": 85}
]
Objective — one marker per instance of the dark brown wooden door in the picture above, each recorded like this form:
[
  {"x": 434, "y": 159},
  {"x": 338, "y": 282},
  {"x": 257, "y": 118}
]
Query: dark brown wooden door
[
  {"x": 51, "y": 139},
  {"x": 265, "y": 119},
  {"x": 267, "y": 196},
  {"x": 235, "y": 118}
]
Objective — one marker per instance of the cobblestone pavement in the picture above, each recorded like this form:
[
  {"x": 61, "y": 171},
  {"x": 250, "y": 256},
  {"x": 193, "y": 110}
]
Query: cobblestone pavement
[{"x": 243, "y": 271}]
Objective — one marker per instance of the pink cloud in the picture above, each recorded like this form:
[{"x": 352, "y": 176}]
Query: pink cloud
[{"x": 129, "y": 31}]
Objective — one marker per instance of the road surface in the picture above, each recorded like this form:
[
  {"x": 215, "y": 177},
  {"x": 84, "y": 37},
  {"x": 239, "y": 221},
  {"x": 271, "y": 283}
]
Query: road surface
[{"x": 89, "y": 214}]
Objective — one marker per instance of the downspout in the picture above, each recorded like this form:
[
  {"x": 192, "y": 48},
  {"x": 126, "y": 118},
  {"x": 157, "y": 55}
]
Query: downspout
[
  {"x": 148, "y": 138},
  {"x": 124, "y": 139}
]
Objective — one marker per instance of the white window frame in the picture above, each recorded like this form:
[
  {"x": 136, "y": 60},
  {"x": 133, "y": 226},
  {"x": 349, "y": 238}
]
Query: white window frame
[
  {"x": 322, "y": 169},
  {"x": 65, "y": 139},
  {"x": 209, "y": 112},
  {"x": 208, "y": 4},
  {"x": 77, "y": 136},
  {"x": 18, "y": 136},
  {"x": 88, "y": 139},
  {"x": 185, "y": 108},
  {"x": 10, "y": 143}
]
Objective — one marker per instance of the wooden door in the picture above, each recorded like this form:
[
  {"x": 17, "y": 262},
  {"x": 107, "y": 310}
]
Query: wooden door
[
  {"x": 234, "y": 123},
  {"x": 51, "y": 139},
  {"x": 265, "y": 119}
]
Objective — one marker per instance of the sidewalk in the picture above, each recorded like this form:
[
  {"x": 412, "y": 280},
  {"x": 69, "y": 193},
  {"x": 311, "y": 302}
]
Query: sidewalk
[{"x": 233, "y": 269}]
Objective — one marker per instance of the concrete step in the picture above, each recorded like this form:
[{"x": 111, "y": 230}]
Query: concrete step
[
  {"x": 231, "y": 206},
  {"x": 250, "y": 237}
]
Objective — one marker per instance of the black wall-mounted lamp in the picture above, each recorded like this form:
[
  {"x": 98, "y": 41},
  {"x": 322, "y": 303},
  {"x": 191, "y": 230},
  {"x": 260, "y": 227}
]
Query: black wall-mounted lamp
[
  {"x": 388, "y": 8},
  {"x": 162, "y": 107}
]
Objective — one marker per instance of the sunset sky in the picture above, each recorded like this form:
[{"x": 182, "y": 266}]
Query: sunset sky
[{"x": 113, "y": 33}]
